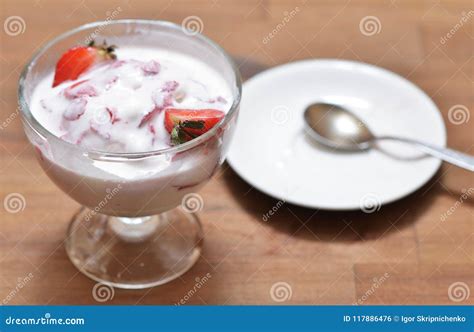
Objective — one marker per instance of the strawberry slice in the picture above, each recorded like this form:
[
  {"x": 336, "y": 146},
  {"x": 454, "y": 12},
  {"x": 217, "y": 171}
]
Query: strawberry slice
[
  {"x": 77, "y": 60},
  {"x": 186, "y": 124},
  {"x": 79, "y": 89}
]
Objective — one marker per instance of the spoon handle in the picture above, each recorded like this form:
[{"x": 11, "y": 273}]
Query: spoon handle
[{"x": 449, "y": 155}]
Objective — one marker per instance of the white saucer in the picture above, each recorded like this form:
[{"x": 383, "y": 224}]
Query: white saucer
[{"x": 271, "y": 152}]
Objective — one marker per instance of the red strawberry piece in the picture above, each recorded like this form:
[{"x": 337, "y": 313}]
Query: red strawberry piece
[
  {"x": 79, "y": 89},
  {"x": 151, "y": 68},
  {"x": 78, "y": 59},
  {"x": 76, "y": 108},
  {"x": 113, "y": 114},
  {"x": 176, "y": 116},
  {"x": 186, "y": 124}
]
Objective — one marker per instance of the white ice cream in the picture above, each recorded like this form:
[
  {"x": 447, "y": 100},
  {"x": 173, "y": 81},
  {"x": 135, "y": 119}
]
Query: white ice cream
[{"x": 118, "y": 107}]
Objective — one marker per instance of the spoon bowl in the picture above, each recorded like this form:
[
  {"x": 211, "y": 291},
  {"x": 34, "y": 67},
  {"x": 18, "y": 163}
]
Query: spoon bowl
[{"x": 337, "y": 128}]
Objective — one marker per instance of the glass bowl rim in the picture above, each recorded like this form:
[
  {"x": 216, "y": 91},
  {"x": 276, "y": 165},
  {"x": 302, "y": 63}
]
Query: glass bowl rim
[{"x": 105, "y": 155}]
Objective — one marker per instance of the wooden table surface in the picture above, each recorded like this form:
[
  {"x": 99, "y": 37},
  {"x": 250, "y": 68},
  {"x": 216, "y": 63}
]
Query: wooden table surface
[{"x": 412, "y": 251}]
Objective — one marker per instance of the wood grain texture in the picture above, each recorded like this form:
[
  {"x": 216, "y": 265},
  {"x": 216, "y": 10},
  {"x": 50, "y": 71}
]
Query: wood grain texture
[{"x": 325, "y": 257}]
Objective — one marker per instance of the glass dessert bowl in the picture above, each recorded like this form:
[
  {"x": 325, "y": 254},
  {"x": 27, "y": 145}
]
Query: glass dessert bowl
[{"x": 123, "y": 150}]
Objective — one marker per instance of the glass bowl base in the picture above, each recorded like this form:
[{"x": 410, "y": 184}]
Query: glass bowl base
[{"x": 134, "y": 253}]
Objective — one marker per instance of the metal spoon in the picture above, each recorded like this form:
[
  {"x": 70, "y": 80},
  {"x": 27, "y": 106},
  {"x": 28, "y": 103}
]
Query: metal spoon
[{"x": 337, "y": 128}]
